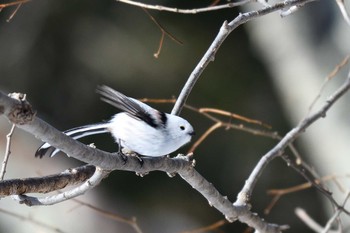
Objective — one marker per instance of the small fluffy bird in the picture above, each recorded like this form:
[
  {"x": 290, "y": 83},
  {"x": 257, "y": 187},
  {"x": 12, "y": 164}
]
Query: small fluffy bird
[{"x": 139, "y": 128}]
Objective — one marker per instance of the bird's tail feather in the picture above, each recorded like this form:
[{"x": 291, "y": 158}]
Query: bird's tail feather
[{"x": 75, "y": 133}]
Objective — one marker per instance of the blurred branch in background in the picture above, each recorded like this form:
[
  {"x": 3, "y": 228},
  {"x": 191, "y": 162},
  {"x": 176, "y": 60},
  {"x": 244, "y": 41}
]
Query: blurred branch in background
[
  {"x": 343, "y": 10},
  {"x": 164, "y": 33},
  {"x": 278, "y": 193},
  {"x": 18, "y": 4},
  {"x": 7, "y": 152},
  {"x": 30, "y": 219}
]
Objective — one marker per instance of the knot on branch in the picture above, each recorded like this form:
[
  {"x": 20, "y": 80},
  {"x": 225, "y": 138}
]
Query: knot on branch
[
  {"x": 189, "y": 158},
  {"x": 21, "y": 113}
]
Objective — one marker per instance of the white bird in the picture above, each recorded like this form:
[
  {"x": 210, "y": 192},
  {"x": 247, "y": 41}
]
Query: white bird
[{"x": 139, "y": 128}]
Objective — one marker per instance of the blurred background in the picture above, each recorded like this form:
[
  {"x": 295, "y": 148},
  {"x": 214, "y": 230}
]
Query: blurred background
[{"x": 270, "y": 69}]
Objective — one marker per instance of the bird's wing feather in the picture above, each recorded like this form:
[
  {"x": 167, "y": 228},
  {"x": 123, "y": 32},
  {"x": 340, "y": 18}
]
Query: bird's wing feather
[{"x": 133, "y": 107}]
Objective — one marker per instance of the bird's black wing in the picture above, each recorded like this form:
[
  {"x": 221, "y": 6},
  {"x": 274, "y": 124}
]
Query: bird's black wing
[{"x": 133, "y": 107}]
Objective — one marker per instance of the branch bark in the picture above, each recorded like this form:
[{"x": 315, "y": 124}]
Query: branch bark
[{"x": 46, "y": 184}]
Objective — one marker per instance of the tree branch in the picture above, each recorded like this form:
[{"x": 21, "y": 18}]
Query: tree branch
[
  {"x": 7, "y": 152},
  {"x": 245, "y": 195},
  {"x": 185, "y": 11},
  {"x": 224, "y": 31},
  {"x": 92, "y": 182},
  {"x": 46, "y": 184}
]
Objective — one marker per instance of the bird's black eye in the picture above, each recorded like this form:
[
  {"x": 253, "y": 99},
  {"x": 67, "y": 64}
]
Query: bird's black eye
[{"x": 182, "y": 127}]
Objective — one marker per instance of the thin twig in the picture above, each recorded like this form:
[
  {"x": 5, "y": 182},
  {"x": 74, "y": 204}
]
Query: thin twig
[
  {"x": 208, "y": 228},
  {"x": 7, "y": 152},
  {"x": 335, "y": 215},
  {"x": 278, "y": 193},
  {"x": 311, "y": 223},
  {"x": 329, "y": 77},
  {"x": 311, "y": 178},
  {"x": 303, "y": 186},
  {"x": 14, "y": 12},
  {"x": 204, "y": 136},
  {"x": 13, "y": 3},
  {"x": 130, "y": 221},
  {"x": 163, "y": 31},
  {"x": 234, "y": 115},
  {"x": 185, "y": 11},
  {"x": 162, "y": 28},
  {"x": 31, "y": 220},
  {"x": 343, "y": 11},
  {"x": 303, "y": 216},
  {"x": 18, "y": 4},
  {"x": 160, "y": 46}
]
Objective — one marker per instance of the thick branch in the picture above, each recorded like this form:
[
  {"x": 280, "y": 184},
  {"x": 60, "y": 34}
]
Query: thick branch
[
  {"x": 221, "y": 203},
  {"x": 92, "y": 182},
  {"x": 46, "y": 184}
]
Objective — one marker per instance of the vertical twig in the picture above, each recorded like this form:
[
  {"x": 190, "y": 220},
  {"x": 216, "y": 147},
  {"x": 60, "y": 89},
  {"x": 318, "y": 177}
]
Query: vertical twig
[
  {"x": 7, "y": 152},
  {"x": 156, "y": 54}
]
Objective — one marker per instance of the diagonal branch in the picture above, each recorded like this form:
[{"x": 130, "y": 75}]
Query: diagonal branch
[
  {"x": 245, "y": 195},
  {"x": 224, "y": 31}
]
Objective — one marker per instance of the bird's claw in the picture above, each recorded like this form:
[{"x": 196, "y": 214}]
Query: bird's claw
[{"x": 123, "y": 156}]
